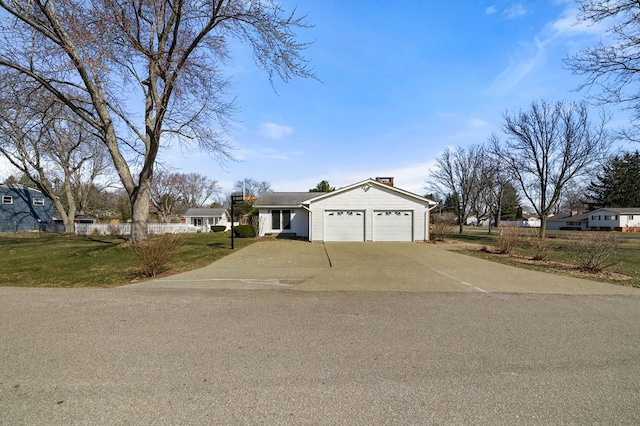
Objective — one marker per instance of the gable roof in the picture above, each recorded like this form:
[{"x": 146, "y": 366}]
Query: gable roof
[
  {"x": 298, "y": 199},
  {"x": 205, "y": 212},
  {"x": 626, "y": 210},
  {"x": 371, "y": 182},
  {"x": 285, "y": 199},
  {"x": 18, "y": 187}
]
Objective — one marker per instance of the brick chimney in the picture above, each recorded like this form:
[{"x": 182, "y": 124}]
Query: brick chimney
[{"x": 385, "y": 180}]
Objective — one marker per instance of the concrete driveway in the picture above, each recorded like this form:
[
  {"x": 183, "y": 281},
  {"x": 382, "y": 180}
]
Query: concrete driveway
[{"x": 297, "y": 265}]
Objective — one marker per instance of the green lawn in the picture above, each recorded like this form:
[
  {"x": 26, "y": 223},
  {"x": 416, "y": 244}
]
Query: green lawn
[
  {"x": 627, "y": 260},
  {"x": 52, "y": 260}
]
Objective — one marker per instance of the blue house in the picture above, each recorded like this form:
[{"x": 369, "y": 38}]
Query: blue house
[{"x": 24, "y": 209}]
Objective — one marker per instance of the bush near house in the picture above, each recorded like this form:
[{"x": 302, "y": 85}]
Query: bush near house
[
  {"x": 244, "y": 231},
  {"x": 218, "y": 228}
]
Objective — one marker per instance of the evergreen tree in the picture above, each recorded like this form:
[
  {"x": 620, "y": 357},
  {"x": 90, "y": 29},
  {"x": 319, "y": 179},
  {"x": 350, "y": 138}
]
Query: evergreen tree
[
  {"x": 511, "y": 203},
  {"x": 619, "y": 183},
  {"x": 323, "y": 186}
]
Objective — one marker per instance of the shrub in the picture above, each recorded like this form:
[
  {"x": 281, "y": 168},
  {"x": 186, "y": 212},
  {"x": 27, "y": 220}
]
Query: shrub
[
  {"x": 541, "y": 247},
  {"x": 244, "y": 231},
  {"x": 594, "y": 251},
  {"x": 154, "y": 254},
  {"x": 218, "y": 228},
  {"x": 508, "y": 239},
  {"x": 441, "y": 227}
]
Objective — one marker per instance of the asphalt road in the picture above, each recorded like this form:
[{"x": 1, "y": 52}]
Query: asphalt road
[{"x": 204, "y": 356}]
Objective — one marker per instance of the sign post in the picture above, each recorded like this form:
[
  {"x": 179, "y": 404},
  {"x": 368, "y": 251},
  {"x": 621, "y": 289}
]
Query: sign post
[{"x": 234, "y": 199}]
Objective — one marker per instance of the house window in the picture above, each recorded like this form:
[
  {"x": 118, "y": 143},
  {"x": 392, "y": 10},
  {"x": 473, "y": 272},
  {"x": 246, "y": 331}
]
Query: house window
[
  {"x": 595, "y": 217},
  {"x": 38, "y": 201},
  {"x": 280, "y": 219},
  {"x": 631, "y": 216},
  {"x": 610, "y": 217},
  {"x": 7, "y": 199}
]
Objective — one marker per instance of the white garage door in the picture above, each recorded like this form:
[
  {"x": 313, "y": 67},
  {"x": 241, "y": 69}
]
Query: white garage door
[
  {"x": 392, "y": 225},
  {"x": 344, "y": 225}
]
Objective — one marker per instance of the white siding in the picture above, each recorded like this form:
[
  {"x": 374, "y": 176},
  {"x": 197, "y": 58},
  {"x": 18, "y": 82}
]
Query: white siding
[
  {"x": 299, "y": 222},
  {"x": 368, "y": 198},
  {"x": 630, "y": 219}
]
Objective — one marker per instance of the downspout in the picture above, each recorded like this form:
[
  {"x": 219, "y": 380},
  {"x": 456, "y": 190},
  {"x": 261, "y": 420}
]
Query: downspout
[
  {"x": 427, "y": 221},
  {"x": 309, "y": 224}
]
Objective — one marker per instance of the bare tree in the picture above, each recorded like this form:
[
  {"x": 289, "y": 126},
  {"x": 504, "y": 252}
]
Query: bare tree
[
  {"x": 613, "y": 64},
  {"x": 173, "y": 193},
  {"x": 198, "y": 189},
  {"x": 457, "y": 173},
  {"x": 165, "y": 195},
  {"x": 251, "y": 187},
  {"x": 101, "y": 57},
  {"x": 43, "y": 140},
  {"x": 548, "y": 147}
]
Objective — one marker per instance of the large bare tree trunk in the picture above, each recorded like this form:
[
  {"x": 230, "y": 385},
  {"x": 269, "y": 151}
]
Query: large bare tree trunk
[{"x": 140, "y": 211}]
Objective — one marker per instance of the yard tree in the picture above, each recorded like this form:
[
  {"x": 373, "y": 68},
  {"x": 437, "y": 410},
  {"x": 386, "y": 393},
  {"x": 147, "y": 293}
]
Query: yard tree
[
  {"x": 510, "y": 204},
  {"x": 612, "y": 65},
  {"x": 457, "y": 174},
  {"x": 143, "y": 74},
  {"x": 251, "y": 188},
  {"x": 172, "y": 193},
  {"x": 323, "y": 186},
  {"x": 548, "y": 147},
  {"x": 618, "y": 183},
  {"x": 54, "y": 151}
]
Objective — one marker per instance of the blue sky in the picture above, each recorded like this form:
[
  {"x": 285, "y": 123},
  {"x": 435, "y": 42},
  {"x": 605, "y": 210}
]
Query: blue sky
[{"x": 399, "y": 82}]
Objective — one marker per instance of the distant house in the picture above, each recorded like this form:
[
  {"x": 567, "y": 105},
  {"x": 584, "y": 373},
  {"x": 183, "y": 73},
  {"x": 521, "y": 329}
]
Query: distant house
[
  {"x": 615, "y": 219},
  {"x": 24, "y": 209},
  {"x": 568, "y": 221},
  {"x": 208, "y": 217}
]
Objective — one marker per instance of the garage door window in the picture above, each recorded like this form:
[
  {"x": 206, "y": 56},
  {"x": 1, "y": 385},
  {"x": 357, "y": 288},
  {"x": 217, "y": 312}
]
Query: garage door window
[{"x": 280, "y": 219}]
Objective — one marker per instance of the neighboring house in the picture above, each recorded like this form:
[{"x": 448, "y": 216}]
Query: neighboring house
[
  {"x": 527, "y": 222},
  {"x": 615, "y": 219},
  {"x": 568, "y": 221},
  {"x": 24, "y": 209},
  {"x": 207, "y": 217},
  {"x": 371, "y": 210}
]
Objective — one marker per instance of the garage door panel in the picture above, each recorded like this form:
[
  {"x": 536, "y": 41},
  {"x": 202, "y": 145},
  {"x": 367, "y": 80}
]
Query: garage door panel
[
  {"x": 344, "y": 225},
  {"x": 393, "y": 225}
]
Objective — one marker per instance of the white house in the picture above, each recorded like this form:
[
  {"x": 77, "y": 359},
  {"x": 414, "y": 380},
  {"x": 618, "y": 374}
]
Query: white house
[
  {"x": 371, "y": 210},
  {"x": 568, "y": 221},
  {"x": 615, "y": 219},
  {"x": 207, "y": 217}
]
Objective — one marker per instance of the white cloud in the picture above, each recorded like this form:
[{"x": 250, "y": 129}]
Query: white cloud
[
  {"x": 519, "y": 68},
  {"x": 491, "y": 10},
  {"x": 567, "y": 25},
  {"x": 515, "y": 11},
  {"x": 274, "y": 130},
  {"x": 478, "y": 122}
]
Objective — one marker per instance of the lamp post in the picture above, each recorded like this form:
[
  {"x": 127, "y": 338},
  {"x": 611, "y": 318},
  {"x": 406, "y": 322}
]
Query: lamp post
[{"x": 234, "y": 199}]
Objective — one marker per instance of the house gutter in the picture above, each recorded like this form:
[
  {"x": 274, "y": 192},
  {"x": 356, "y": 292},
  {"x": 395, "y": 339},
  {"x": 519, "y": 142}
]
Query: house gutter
[
  {"x": 428, "y": 221},
  {"x": 310, "y": 221}
]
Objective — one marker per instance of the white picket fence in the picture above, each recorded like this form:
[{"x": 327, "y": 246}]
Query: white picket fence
[{"x": 125, "y": 228}]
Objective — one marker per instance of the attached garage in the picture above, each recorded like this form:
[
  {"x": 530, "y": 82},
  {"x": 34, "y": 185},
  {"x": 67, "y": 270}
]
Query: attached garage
[
  {"x": 371, "y": 210},
  {"x": 393, "y": 225},
  {"x": 344, "y": 225}
]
